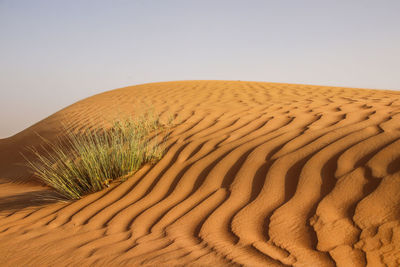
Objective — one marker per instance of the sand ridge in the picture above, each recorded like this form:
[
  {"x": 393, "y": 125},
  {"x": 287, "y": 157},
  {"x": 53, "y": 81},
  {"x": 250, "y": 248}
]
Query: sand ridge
[{"x": 256, "y": 174}]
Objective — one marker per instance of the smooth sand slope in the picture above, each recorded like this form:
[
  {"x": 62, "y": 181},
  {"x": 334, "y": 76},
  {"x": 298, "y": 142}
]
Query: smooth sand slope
[{"x": 256, "y": 174}]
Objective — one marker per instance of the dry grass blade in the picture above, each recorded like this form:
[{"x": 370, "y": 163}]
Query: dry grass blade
[{"x": 78, "y": 164}]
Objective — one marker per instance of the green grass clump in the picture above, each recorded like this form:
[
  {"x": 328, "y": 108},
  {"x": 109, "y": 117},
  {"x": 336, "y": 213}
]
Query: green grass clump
[{"x": 79, "y": 164}]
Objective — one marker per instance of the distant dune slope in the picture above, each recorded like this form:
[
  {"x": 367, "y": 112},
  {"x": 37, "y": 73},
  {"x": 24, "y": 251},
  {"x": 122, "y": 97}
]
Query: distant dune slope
[{"x": 256, "y": 174}]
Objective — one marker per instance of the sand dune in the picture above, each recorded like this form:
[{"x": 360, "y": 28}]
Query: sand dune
[{"x": 256, "y": 174}]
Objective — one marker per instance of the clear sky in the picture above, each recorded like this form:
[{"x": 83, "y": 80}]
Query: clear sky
[{"x": 54, "y": 53}]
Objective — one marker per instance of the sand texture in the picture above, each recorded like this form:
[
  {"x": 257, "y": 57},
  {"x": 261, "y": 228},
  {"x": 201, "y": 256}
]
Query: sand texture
[{"x": 256, "y": 174}]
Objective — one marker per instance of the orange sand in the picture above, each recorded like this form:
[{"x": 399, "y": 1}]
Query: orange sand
[{"x": 256, "y": 174}]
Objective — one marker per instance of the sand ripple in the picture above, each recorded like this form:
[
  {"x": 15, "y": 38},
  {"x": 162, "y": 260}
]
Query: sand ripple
[{"x": 256, "y": 174}]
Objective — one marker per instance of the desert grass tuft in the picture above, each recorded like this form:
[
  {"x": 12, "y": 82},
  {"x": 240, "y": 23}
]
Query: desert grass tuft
[{"x": 81, "y": 163}]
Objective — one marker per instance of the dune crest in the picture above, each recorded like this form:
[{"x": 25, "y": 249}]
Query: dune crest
[{"x": 256, "y": 174}]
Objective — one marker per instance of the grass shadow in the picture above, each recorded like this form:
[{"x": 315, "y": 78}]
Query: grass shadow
[{"x": 29, "y": 200}]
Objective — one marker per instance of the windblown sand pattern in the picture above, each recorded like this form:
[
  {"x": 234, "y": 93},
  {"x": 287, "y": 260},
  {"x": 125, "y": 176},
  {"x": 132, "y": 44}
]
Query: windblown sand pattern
[{"x": 256, "y": 174}]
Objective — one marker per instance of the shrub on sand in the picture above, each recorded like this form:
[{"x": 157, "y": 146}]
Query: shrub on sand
[{"x": 81, "y": 163}]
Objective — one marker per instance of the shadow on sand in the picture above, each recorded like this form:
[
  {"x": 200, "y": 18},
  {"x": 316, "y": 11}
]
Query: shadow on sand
[{"x": 29, "y": 200}]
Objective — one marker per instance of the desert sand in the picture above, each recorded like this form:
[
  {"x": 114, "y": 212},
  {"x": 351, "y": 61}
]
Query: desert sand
[{"x": 256, "y": 174}]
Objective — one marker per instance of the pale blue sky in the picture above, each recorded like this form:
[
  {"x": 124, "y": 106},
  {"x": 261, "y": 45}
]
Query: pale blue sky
[{"x": 54, "y": 53}]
